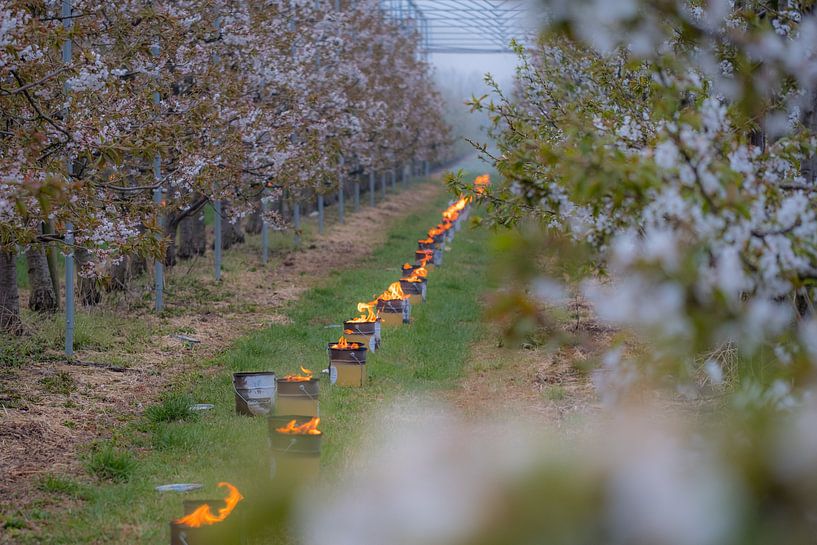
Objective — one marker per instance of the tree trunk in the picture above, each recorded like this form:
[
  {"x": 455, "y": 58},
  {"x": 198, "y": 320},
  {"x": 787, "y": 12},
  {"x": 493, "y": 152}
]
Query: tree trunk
[
  {"x": 192, "y": 237},
  {"x": 51, "y": 256},
  {"x": 120, "y": 276},
  {"x": 809, "y": 165},
  {"x": 230, "y": 232},
  {"x": 9, "y": 296},
  {"x": 87, "y": 288},
  {"x": 255, "y": 221},
  {"x": 137, "y": 265},
  {"x": 42, "y": 297}
]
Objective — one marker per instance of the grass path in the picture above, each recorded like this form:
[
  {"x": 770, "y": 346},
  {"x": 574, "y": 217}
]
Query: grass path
[{"x": 172, "y": 446}]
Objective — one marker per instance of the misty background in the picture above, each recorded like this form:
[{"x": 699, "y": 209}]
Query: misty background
[{"x": 461, "y": 75}]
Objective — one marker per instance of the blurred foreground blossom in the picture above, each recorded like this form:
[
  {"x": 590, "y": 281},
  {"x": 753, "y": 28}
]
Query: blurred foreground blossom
[{"x": 643, "y": 475}]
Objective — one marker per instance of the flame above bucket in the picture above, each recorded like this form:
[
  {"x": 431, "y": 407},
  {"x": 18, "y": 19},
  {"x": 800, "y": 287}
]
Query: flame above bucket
[
  {"x": 368, "y": 312},
  {"x": 343, "y": 344},
  {"x": 417, "y": 275},
  {"x": 394, "y": 293},
  {"x": 306, "y": 377},
  {"x": 203, "y": 516},
  {"x": 307, "y": 428}
]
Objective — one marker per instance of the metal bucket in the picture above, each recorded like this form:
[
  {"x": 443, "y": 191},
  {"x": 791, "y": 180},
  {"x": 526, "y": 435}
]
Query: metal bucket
[
  {"x": 295, "y": 459},
  {"x": 438, "y": 258},
  {"x": 347, "y": 367},
  {"x": 298, "y": 397},
  {"x": 415, "y": 290},
  {"x": 366, "y": 333},
  {"x": 420, "y": 254},
  {"x": 410, "y": 269},
  {"x": 427, "y": 245},
  {"x": 356, "y": 356},
  {"x": 254, "y": 393},
  {"x": 394, "y": 311}
]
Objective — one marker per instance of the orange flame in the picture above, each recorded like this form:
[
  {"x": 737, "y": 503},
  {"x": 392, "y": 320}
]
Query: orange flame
[
  {"x": 368, "y": 312},
  {"x": 203, "y": 516},
  {"x": 394, "y": 293},
  {"x": 417, "y": 275},
  {"x": 306, "y": 377},
  {"x": 453, "y": 212},
  {"x": 426, "y": 241},
  {"x": 348, "y": 332},
  {"x": 343, "y": 344},
  {"x": 407, "y": 266},
  {"x": 481, "y": 182},
  {"x": 307, "y": 428}
]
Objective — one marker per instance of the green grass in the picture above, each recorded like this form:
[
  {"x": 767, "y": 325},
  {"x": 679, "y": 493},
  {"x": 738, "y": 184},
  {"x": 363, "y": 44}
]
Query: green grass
[
  {"x": 173, "y": 407},
  {"x": 109, "y": 463},
  {"x": 219, "y": 445}
]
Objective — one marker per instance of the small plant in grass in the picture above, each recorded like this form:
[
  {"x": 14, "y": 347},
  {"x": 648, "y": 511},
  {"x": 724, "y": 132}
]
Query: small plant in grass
[
  {"x": 60, "y": 382},
  {"x": 57, "y": 484},
  {"x": 172, "y": 407},
  {"x": 109, "y": 463},
  {"x": 13, "y": 522},
  {"x": 555, "y": 393}
]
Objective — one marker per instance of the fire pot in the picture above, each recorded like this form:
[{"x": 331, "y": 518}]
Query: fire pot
[
  {"x": 365, "y": 333},
  {"x": 296, "y": 459},
  {"x": 298, "y": 397},
  {"x": 394, "y": 311},
  {"x": 415, "y": 290},
  {"x": 419, "y": 255},
  {"x": 226, "y": 532},
  {"x": 347, "y": 367}
]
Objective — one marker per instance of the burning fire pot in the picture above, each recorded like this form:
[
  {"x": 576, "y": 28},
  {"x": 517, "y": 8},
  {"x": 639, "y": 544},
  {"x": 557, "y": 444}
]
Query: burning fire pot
[
  {"x": 408, "y": 269},
  {"x": 208, "y": 522},
  {"x": 254, "y": 393},
  {"x": 365, "y": 333},
  {"x": 415, "y": 288},
  {"x": 298, "y": 394},
  {"x": 296, "y": 448},
  {"x": 424, "y": 258},
  {"x": 427, "y": 244},
  {"x": 393, "y": 306},
  {"x": 347, "y": 363}
]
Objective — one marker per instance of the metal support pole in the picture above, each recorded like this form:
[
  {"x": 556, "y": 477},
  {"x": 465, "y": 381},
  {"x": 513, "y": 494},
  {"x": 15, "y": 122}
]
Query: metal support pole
[
  {"x": 264, "y": 228},
  {"x": 320, "y": 214},
  {"x": 383, "y": 183},
  {"x": 371, "y": 188},
  {"x": 67, "y": 47},
  {"x": 69, "y": 290},
  {"x": 218, "y": 242},
  {"x": 393, "y": 180},
  {"x": 341, "y": 195},
  {"x": 357, "y": 195},
  {"x": 296, "y": 219},
  {"x": 158, "y": 266}
]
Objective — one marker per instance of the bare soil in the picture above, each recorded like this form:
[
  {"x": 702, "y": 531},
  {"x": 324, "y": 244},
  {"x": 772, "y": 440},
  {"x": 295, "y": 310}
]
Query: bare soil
[{"x": 45, "y": 432}]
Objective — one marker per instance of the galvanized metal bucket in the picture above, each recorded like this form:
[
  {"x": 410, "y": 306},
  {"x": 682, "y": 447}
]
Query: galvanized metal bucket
[
  {"x": 394, "y": 311},
  {"x": 255, "y": 393},
  {"x": 299, "y": 397},
  {"x": 367, "y": 333},
  {"x": 295, "y": 459},
  {"x": 416, "y": 290}
]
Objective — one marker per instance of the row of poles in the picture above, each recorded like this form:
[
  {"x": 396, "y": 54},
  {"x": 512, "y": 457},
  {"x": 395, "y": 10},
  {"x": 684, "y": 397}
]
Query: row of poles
[{"x": 159, "y": 276}]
